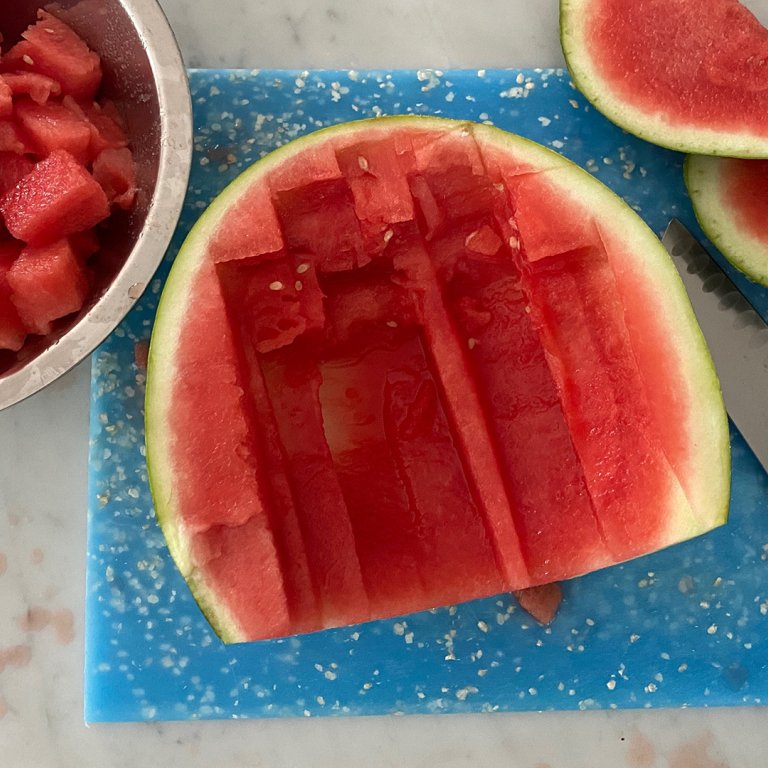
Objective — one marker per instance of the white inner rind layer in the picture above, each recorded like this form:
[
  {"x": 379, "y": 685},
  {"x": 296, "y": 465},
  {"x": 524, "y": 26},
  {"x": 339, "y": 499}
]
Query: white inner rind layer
[
  {"x": 660, "y": 127},
  {"x": 705, "y": 179},
  {"x": 703, "y": 506}
]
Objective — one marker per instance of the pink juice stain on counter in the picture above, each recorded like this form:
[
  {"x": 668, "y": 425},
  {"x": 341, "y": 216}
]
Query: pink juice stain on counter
[
  {"x": 15, "y": 656},
  {"x": 61, "y": 621}
]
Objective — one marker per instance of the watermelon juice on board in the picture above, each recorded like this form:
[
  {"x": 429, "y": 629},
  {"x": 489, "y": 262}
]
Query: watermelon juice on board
[{"x": 408, "y": 362}]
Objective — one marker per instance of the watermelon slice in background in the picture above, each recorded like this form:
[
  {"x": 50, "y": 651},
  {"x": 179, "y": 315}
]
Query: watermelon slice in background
[
  {"x": 685, "y": 75},
  {"x": 730, "y": 199},
  {"x": 397, "y": 349}
]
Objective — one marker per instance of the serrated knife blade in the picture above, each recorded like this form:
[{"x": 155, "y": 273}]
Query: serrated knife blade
[{"x": 736, "y": 334}]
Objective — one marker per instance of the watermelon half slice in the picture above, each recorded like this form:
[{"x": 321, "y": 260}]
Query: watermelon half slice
[
  {"x": 409, "y": 362},
  {"x": 686, "y": 75},
  {"x": 730, "y": 198}
]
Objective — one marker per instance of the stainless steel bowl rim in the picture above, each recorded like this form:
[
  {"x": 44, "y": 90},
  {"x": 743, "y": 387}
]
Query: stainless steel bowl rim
[{"x": 162, "y": 216}]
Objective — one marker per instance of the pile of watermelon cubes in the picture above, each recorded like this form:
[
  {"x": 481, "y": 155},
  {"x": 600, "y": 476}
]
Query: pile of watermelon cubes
[{"x": 65, "y": 166}]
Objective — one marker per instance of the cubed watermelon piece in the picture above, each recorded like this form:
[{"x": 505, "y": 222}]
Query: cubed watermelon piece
[
  {"x": 50, "y": 47},
  {"x": 13, "y": 168},
  {"x": 47, "y": 283},
  {"x": 6, "y": 100},
  {"x": 106, "y": 131},
  {"x": 379, "y": 188},
  {"x": 12, "y": 330},
  {"x": 240, "y": 561},
  {"x": 38, "y": 87},
  {"x": 251, "y": 229},
  {"x": 84, "y": 244},
  {"x": 115, "y": 170},
  {"x": 304, "y": 213},
  {"x": 10, "y": 138},
  {"x": 53, "y": 126},
  {"x": 58, "y": 198},
  {"x": 278, "y": 300}
]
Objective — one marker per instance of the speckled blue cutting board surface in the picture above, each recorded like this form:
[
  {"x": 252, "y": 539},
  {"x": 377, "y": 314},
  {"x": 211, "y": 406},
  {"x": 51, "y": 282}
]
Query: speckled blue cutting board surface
[{"x": 684, "y": 627}]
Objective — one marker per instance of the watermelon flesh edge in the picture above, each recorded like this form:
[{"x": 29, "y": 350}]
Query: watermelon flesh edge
[
  {"x": 667, "y": 73},
  {"x": 409, "y": 466}
]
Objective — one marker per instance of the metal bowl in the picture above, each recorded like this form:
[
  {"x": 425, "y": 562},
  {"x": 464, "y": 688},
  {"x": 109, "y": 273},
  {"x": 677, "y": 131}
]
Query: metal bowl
[{"x": 144, "y": 75}]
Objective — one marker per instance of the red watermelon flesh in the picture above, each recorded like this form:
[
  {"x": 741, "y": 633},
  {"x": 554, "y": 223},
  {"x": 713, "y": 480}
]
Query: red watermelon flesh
[
  {"x": 106, "y": 132},
  {"x": 527, "y": 422},
  {"x": 52, "y": 48},
  {"x": 382, "y": 417},
  {"x": 47, "y": 283},
  {"x": 582, "y": 330},
  {"x": 53, "y": 126},
  {"x": 13, "y": 168},
  {"x": 12, "y": 330},
  {"x": 293, "y": 384},
  {"x": 240, "y": 561},
  {"x": 38, "y": 87},
  {"x": 432, "y": 412},
  {"x": 115, "y": 170},
  {"x": 728, "y": 85},
  {"x": 251, "y": 229},
  {"x": 11, "y": 140},
  {"x": 686, "y": 75},
  {"x": 746, "y": 190},
  {"x": 58, "y": 198},
  {"x": 300, "y": 592},
  {"x": 304, "y": 214},
  {"x": 48, "y": 119},
  {"x": 6, "y": 100}
]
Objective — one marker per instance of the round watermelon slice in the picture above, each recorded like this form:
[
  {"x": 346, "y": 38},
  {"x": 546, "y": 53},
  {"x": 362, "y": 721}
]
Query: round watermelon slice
[
  {"x": 730, "y": 198},
  {"x": 409, "y": 362},
  {"x": 686, "y": 75}
]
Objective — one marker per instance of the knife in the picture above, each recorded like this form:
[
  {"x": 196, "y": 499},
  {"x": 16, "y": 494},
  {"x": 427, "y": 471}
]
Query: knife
[{"x": 736, "y": 334}]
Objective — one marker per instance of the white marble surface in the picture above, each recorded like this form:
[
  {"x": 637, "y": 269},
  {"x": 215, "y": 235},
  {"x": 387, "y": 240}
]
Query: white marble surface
[{"x": 43, "y": 460}]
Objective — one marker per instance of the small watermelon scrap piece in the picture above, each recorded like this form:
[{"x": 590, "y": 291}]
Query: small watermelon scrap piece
[
  {"x": 106, "y": 131},
  {"x": 38, "y": 87},
  {"x": 58, "y": 198},
  {"x": 115, "y": 170},
  {"x": 47, "y": 283},
  {"x": 53, "y": 126},
  {"x": 13, "y": 168},
  {"x": 12, "y": 330},
  {"x": 52, "y": 48},
  {"x": 541, "y": 602}
]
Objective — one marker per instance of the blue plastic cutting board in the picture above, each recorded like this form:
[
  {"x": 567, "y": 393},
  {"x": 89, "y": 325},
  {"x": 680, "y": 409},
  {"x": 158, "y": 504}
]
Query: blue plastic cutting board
[{"x": 684, "y": 627}]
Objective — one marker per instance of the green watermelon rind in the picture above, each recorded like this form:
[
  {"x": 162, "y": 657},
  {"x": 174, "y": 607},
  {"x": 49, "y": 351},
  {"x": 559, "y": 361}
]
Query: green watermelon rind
[
  {"x": 710, "y": 424},
  {"x": 654, "y": 128},
  {"x": 719, "y": 221}
]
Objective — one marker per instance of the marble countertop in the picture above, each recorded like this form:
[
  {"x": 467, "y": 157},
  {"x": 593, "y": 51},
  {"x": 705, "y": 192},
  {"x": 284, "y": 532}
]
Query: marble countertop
[{"x": 43, "y": 472}]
